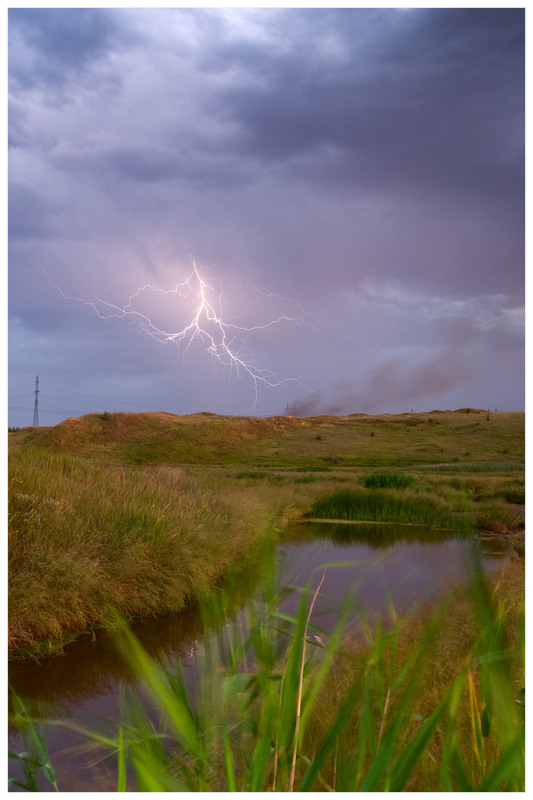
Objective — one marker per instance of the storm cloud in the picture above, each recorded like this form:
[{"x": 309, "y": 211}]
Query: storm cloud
[{"x": 365, "y": 164}]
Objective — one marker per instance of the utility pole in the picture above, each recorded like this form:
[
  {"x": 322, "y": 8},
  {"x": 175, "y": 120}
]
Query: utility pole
[{"x": 36, "y": 406}]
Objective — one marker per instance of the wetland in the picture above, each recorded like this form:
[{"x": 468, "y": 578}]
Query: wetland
[{"x": 191, "y": 527}]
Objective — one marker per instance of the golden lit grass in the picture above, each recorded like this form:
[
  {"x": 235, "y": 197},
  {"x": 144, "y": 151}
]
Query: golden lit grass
[{"x": 85, "y": 538}]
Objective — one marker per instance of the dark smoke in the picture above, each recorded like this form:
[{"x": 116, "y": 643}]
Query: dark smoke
[{"x": 395, "y": 383}]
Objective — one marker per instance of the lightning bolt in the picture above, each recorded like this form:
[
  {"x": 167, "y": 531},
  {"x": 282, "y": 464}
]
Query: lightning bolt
[{"x": 223, "y": 337}]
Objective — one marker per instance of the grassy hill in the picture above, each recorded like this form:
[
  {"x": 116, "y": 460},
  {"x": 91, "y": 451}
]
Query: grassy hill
[{"x": 359, "y": 440}]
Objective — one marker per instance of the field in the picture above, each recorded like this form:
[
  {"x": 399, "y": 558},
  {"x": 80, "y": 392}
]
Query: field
[{"x": 145, "y": 512}]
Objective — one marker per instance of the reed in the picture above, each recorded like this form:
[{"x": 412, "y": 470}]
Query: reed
[
  {"x": 388, "y": 480},
  {"x": 384, "y": 506},
  {"x": 411, "y": 705}
]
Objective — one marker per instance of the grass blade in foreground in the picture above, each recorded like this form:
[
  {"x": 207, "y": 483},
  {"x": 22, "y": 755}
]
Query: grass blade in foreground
[
  {"x": 35, "y": 756},
  {"x": 426, "y": 704}
]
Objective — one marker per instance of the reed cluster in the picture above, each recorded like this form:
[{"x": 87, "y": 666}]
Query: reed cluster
[
  {"x": 387, "y": 506},
  {"x": 389, "y": 480},
  {"x": 430, "y": 703}
]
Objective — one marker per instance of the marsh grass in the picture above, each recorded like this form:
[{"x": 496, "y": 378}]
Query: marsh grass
[
  {"x": 490, "y": 466},
  {"x": 86, "y": 539},
  {"x": 431, "y": 701},
  {"x": 33, "y": 760},
  {"x": 387, "y": 506},
  {"x": 388, "y": 480},
  {"x": 499, "y": 517}
]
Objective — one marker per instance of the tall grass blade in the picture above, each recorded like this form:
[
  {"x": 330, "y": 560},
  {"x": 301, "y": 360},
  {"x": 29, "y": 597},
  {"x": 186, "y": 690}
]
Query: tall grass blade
[
  {"x": 171, "y": 694},
  {"x": 121, "y": 761},
  {"x": 404, "y": 766},
  {"x": 301, "y": 679},
  {"x": 330, "y": 740},
  {"x": 507, "y": 774},
  {"x": 228, "y": 762},
  {"x": 35, "y": 756},
  {"x": 262, "y": 749}
]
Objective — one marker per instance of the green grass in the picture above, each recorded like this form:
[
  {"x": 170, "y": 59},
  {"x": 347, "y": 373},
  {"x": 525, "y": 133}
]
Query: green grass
[
  {"x": 432, "y": 701},
  {"x": 491, "y": 466},
  {"x": 382, "y": 506},
  {"x": 146, "y": 513},
  {"x": 389, "y": 480}
]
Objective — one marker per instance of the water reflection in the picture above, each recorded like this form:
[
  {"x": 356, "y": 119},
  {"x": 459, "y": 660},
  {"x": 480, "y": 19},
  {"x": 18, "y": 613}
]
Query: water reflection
[
  {"x": 379, "y": 564},
  {"x": 374, "y": 535}
]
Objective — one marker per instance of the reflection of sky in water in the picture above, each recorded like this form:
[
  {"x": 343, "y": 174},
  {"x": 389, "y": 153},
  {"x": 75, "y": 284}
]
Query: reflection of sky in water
[
  {"x": 83, "y": 684},
  {"x": 403, "y": 573}
]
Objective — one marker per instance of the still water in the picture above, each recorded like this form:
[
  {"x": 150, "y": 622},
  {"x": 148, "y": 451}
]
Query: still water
[{"x": 380, "y": 564}]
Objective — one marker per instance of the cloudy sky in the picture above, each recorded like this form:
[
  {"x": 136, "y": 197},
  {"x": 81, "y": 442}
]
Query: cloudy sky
[{"x": 249, "y": 211}]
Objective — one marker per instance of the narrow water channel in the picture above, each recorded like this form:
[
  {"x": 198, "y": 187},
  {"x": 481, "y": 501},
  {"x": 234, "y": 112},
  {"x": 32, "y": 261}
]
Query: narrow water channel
[{"x": 381, "y": 564}]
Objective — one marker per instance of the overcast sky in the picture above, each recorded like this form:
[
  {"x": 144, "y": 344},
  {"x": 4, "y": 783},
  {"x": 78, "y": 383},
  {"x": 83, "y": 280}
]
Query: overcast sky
[{"x": 353, "y": 176}]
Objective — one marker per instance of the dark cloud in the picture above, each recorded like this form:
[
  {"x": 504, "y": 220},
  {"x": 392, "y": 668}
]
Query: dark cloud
[
  {"x": 57, "y": 43},
  {"x": 145, "y": 166},
  {"x": 414, "y": 109}
]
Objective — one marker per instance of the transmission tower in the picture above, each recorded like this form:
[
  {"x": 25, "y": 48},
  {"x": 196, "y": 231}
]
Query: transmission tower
[{"x": 36, "y": 406}]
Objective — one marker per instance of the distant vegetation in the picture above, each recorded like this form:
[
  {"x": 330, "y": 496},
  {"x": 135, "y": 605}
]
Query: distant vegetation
[{"x": 382, "y": 442}]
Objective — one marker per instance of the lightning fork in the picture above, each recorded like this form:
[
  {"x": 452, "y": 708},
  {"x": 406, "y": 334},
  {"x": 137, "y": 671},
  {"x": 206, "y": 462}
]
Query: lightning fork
[{"x": 219, "y": 335}]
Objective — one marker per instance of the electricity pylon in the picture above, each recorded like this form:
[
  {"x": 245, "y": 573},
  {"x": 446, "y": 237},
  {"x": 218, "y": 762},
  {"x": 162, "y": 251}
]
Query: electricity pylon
[{"x": 36, "y": 406}]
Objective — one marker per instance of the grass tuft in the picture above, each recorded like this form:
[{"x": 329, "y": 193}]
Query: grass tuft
[
  {"x": 381, "y": 506},
  {"x": 388, "y": 480}
]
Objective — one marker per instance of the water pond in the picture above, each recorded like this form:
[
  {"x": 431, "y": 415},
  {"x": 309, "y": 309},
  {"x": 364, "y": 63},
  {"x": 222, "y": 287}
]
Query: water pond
[{"x": 381, "y": 564}]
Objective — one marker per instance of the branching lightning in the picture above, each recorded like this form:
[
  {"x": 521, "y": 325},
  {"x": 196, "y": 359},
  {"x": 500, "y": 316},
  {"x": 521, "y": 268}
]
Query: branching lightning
[{"x": 222, "y": 336}]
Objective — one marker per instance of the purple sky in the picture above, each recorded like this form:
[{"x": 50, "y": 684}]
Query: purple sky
[{"x": 355, "y": 174}]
